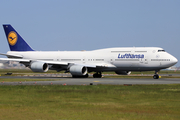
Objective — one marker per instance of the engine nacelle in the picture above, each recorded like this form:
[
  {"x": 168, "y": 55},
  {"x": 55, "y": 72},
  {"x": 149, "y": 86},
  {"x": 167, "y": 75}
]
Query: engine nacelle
[
  {"x": 123, "y": 72},
  {"x": 39, "y": 67},
  {"x": 78, "y": 70}
]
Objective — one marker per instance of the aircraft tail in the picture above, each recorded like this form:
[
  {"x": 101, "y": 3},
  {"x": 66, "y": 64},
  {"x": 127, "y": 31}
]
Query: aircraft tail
[{"x": 15, "y": 41}]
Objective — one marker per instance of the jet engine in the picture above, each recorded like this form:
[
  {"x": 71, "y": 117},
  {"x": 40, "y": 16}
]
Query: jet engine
[
  {"x": 123, "y": 72},
  {"x": 39, "y": 67},
  {"x": 78, "y": 70}
]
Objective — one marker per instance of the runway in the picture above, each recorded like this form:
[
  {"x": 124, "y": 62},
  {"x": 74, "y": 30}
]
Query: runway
[{"x": 88, "y": 81}]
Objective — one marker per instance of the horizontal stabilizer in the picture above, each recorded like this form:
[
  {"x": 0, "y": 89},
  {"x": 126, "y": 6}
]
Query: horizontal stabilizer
[
  {"x": 11, "y": 56},
  {"x": 28, "y": 60},
  {"x": 15, "y": 60}
]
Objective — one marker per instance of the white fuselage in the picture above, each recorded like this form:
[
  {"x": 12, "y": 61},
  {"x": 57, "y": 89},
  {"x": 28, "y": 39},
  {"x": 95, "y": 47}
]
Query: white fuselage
[{"x": 125, "y": 59}]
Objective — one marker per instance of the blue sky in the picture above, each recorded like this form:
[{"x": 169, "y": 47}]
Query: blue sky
[{"x": 87, "y": 25}]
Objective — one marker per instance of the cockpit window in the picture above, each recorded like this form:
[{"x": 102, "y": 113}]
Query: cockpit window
[{"x": 161, "y": 50}]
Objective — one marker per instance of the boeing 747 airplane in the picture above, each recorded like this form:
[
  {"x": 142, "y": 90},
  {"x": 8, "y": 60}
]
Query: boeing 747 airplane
[{"x": 122, "y": 60}]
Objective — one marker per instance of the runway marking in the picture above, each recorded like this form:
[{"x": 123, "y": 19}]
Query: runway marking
[{"x": 95, "y": 81}]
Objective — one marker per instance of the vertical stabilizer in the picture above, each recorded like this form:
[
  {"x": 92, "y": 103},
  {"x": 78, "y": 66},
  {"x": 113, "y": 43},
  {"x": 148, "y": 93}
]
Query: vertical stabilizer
[{"x": 15, "y": 41}]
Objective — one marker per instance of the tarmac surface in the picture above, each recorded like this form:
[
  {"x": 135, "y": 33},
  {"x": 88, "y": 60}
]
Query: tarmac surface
[{"x": 87, "y": 81}]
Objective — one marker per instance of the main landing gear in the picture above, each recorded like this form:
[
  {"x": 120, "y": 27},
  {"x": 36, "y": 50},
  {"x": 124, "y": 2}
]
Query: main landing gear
[
  {"x": 97, "y": 75},
  {"x": 156, "y": 76}
]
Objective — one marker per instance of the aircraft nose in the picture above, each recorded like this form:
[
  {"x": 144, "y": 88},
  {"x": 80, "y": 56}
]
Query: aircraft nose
[{"x": 174, "y": 60}]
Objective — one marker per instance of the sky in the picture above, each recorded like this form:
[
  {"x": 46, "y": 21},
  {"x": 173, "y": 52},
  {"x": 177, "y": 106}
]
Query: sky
[{"x": 73, "y": 25}]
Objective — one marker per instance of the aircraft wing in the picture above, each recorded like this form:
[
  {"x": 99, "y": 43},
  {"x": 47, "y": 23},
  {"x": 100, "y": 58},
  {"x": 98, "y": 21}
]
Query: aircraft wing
[
  {"x": 52, "y": 62},
  {"x": 90, "y": 65},
  {"x": 94, "y": 65}
]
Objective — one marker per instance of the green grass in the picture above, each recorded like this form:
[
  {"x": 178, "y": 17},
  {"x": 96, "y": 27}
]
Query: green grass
[
  {"x": 100, "y": 102},
  {"x": 26, "y": 79}
]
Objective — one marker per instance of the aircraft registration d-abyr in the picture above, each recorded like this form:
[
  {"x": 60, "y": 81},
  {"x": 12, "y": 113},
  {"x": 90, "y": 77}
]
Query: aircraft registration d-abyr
[{"x": 122, "y": 60}]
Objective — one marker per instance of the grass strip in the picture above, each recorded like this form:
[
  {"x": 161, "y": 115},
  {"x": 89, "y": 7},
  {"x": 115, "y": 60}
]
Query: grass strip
[
  {"x": 25, "y": 79},
  {"x": 100, "y": 102}
]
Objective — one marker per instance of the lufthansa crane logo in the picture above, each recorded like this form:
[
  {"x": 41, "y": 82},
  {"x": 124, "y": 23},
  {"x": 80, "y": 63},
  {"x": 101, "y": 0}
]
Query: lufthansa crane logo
[{"x": 12, "y": 38}]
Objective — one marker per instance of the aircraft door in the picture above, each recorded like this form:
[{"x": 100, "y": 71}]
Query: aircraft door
[
  {"x": 143, "y": 60},
  {"x": 84, "y": 59},
  {"x": 112, "y": 60}
]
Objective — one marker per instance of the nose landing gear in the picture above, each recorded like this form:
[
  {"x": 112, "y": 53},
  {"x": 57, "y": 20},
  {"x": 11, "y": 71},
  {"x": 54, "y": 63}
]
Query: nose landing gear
[{"x": 156, "y": 76}]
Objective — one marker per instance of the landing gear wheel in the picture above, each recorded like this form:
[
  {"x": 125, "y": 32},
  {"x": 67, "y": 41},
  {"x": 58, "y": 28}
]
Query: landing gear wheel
[
  {"x": 156, "y": 76},
  {"x": 97, "y": 75},
  {"x": 86, "y": 76}
]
